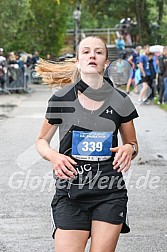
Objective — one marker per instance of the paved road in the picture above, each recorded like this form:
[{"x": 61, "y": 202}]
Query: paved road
[{"x": 27, "y": 187}]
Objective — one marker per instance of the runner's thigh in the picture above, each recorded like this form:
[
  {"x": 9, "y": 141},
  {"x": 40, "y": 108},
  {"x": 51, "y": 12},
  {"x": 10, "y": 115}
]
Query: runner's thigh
[
  {"x": 104, "y": 236},
  {"x": 70, "y": 240}
]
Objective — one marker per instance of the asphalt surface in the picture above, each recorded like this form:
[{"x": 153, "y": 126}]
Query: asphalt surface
[{"x": 27, "y": 187}]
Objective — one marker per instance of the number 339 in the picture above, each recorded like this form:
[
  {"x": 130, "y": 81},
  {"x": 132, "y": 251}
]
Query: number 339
[{"x": 92, "y": 146}]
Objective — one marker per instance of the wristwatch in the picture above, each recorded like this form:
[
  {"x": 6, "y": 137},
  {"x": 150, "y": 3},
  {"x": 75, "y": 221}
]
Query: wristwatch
[{"x": 134, "y": 149}]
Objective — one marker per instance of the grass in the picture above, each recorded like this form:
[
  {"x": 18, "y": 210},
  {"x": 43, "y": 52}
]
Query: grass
[{"x": 162, "y": 106}]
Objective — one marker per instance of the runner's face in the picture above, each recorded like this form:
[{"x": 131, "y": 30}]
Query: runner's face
[{"x": 92, "y": 56}]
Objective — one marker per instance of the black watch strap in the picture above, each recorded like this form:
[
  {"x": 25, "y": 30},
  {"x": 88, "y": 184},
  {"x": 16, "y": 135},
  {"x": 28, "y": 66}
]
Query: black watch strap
[{"x": 134, "y": 148}]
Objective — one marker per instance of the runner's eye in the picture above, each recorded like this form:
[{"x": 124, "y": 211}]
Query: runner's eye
[
  {"x": 85, "y": 52},
  {"x": 99, "y": 52}
]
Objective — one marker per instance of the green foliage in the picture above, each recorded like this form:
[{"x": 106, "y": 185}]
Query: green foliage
[
  {"x": 162, "y": 29},
  {"x": 29, "y": 25},
  {"x": 12, "y": 22},
  {"x": 48, "y": 27},
  {"x": 150, "y": 16}
]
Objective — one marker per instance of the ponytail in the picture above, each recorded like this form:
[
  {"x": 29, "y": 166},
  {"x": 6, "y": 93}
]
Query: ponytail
[{"x": 57, "y": 73}]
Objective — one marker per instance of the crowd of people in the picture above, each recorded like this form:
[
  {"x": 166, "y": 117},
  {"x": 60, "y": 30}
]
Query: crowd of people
[
  {"x": 13, "y": 74},
  {"x": 149, "y": 76}
]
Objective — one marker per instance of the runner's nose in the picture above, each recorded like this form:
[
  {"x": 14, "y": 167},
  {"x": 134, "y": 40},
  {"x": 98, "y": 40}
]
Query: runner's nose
[{"x": 92, "y": 54}]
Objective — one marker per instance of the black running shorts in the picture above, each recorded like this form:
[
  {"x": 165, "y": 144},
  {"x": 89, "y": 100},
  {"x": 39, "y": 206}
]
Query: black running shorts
[
  {"x": 69, "y": 214},
  {"x": 145, "y": 79}
]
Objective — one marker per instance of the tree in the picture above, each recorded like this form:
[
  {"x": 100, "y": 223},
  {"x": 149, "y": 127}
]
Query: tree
[
  {"x": 48, "y": 27},
  {"x": 13, "y": 19},
  {"x": 28, "y": 25},
  {"x": 161, "y": 10}
]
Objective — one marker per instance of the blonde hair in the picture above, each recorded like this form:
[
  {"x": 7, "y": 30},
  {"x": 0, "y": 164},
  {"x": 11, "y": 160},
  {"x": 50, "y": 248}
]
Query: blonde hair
[
  {"x": 61, "y": 73},
  {"x": 57, "y": 73}
]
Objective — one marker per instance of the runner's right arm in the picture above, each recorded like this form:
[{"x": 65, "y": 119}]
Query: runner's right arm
[{"x": 62, "y": 164}]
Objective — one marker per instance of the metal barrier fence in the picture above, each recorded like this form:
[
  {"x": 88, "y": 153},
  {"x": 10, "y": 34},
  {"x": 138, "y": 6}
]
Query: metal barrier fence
[
  {"x": 16, "y": 79},
  {"x": 108, "y": 34}
]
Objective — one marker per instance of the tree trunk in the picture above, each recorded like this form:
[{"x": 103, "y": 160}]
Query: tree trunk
[
  {"x": 142, "y": 21},
  {"x": 160, "y": 5}
]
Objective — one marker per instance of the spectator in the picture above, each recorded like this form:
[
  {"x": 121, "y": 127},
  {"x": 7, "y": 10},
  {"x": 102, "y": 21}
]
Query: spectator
[
  {"x": 48, "y": 57},
  {"x": 2, "y": 58},
  {"x": 152, "y": 67},
  {"x": 145, "y": 73},
  {"x": 29, "y": 60},
  {"x": 133, "y": 60},
  {"x": 35, "y": 58},
  {"x": 13, "y": 66},
  {"x": 137, "y": 77},
  {"x": 2, "y": 70},
  {"x": 120, "y": 45},
  {"x": 162, "y": 76}
]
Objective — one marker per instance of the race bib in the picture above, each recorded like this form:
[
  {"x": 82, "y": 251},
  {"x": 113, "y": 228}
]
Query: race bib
[{"x": 92, "y": 146}]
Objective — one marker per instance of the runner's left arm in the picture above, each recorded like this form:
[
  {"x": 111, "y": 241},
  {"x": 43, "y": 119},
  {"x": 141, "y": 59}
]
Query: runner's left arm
[{"x": 124, "y": 153}]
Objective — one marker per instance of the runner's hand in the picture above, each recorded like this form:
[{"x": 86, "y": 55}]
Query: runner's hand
[
  {"x": 122, "y": 160},
  {"x": 63, "y": 165}
]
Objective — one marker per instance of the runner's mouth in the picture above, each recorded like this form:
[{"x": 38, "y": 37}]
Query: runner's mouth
[{"x": 92, "y": 64}]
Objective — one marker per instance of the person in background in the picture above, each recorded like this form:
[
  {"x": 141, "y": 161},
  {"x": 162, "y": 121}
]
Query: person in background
[
  {"x": 29, "y": 60},
  {"x": 163, "y": 77},
  {"x": 3, "y": 69},
  {"x": 153, "y": 72},
  {"x": 2, "y": 57},
  {"x": 48, "y": 56},
  {"x": 145, "y": 74},
  {"x": 120, "y": 70},
  {"x": 133, "y": 60},
  {"x": 13, "y": 67},
  {"x": 138, "y": 78},
  {"x": 35, "y": 58},
  {"x": 87, "y": 112},
  {"x": 120, "y": 45}
]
